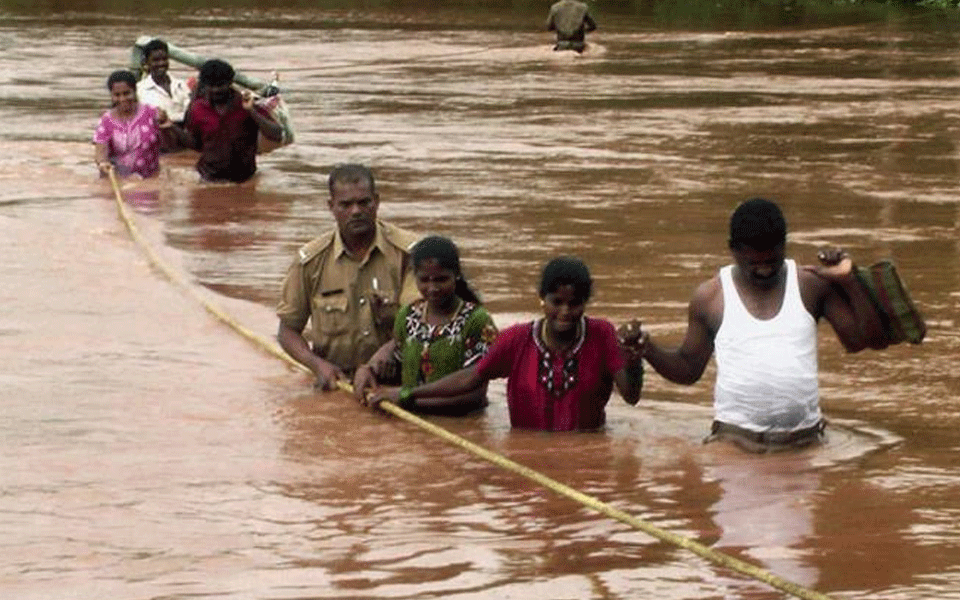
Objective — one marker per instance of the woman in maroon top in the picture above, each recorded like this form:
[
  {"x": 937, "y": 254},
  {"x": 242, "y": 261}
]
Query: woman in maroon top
[{"x": 560, "y": 369}]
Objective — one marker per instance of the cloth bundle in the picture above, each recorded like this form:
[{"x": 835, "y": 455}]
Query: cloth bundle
[
  {"x": 272, "y": 103},
  {"x": 277, "y": 109},
  {"x": 901, "y": 319}
]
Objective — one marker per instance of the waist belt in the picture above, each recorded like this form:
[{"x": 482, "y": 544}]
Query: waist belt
[
  {"x": 769, "y": 437},
  {"x": 578, "y": 45}
]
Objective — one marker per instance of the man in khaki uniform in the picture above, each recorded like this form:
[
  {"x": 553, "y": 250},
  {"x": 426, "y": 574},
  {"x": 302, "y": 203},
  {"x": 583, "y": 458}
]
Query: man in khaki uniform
[
  {"x": 349, "y": 283},
  {"x": 572, "y": 21}
]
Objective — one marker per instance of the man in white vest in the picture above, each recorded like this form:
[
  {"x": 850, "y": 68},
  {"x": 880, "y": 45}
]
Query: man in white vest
[{"x": 761, "y": 314}]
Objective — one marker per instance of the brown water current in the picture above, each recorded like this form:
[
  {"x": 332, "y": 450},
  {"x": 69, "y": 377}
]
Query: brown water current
[{"x": 147, "y": 451}]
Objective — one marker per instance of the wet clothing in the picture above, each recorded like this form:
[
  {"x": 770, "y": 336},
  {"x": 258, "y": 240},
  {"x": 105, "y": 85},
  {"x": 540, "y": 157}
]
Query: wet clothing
[
  {"x": 173, "y": 103},
  {"x": 334, "y": 292},
  {"x": 575, "y": 45},
  {"x": 550, "y": 391},
  {"x": 766, "y": 441},
  {"x": 427, "y": 353},
  {"x": 227, "y": 142},
  {"x": 133, "y": 145},
  {"x": 571, "y": 20},
  {"x": 767, "y": 369}
]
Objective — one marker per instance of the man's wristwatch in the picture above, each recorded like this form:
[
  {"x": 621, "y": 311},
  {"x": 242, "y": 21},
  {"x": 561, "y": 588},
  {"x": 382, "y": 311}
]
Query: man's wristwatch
[{"x": 405, "y": 398}]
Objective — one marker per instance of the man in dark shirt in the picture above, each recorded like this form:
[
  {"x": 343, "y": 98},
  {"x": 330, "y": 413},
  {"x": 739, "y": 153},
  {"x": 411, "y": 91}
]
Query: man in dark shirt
[{"x": 223, "y": 124}]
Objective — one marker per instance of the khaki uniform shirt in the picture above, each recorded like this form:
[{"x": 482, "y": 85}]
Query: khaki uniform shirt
[
  {"x": 567, "y": 18},
  {"x": 350, "y": 302}
]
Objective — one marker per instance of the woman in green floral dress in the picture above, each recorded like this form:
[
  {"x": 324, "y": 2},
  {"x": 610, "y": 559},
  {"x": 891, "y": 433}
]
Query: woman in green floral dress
[{"x": 444, "y": 331}]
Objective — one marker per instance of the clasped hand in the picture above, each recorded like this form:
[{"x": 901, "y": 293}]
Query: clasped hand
[
  {"x": 835, "y": 264},
  {"x": 384, "y": 394},
  {"x": 328, "y": 375},
  {"x": 163, "y": 119},
  {"x": 632, "y": 338},
  {"x": 246, "y": 99},
  {"x": 365, "y": 388}
]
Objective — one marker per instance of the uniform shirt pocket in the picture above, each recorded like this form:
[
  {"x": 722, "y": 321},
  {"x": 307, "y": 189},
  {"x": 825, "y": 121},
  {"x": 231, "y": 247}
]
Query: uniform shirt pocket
[{"x": 331, "y": 314}]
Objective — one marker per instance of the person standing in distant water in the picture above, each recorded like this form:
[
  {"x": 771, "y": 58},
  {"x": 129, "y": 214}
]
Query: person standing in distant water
[
  {"x": 129, "y": 135},
  {"x": 158, "y": 87},
  {"x": 572, "y": 21},
  {"x": 223, "y": 125}
]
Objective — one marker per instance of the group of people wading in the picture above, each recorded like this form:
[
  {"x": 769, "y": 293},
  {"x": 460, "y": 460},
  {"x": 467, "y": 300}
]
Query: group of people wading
[
  {"x": 393, "y": 311},
  {"x": 159, "y": 113}
]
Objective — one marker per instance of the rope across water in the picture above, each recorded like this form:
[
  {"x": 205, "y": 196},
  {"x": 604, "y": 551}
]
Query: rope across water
[{"x": 499, "y": 460}]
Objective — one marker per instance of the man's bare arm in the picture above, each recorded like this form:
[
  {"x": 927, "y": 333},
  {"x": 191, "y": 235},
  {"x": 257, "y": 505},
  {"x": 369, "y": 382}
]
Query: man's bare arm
[
  {"x": 589, "y": 24},
  {"x": 268, "y": 127},
  {"x": 846, "y": 305},
  {"x": 686, "y": 363},
  {"x": 296, "y": 346},
  {"x": 629, "y": 380}
]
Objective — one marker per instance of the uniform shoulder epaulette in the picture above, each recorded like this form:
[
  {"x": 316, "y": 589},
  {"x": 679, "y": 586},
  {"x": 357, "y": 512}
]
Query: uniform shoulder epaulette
[
  {"x": 311, "y": 249},
  {"x": 401, "y": 238}
]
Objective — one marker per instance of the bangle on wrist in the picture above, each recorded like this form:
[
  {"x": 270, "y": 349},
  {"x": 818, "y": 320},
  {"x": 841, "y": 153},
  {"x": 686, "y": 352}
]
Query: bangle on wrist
[{"x": 405, "y": 399}]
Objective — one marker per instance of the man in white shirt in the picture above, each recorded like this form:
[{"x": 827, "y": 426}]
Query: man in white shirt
[{"x": 158, "y": 87}]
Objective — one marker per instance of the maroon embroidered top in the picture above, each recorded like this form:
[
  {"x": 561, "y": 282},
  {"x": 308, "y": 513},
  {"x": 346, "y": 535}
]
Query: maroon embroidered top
[{"x": 555, "y": 392}]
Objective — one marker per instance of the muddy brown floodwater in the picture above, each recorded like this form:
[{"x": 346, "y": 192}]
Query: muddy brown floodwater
[{"x": 150, "y": 452}]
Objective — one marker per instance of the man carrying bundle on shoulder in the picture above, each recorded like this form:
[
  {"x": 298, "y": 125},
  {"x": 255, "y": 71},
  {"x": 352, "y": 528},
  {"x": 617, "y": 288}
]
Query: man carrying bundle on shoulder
[
  {"x": 761, "y": 315},
  {"x": 223, "y": 125}
]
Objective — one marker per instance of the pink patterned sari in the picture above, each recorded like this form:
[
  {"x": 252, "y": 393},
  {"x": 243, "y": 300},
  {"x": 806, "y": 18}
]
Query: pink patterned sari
[{"x": 133, "y": 145}]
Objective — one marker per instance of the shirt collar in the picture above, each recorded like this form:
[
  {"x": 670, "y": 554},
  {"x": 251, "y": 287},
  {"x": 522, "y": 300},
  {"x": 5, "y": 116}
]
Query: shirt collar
[
  {"x": 149, "y": 83},
  {"x": 235, "y": 102},
  {"x": 340, "y": 248}
]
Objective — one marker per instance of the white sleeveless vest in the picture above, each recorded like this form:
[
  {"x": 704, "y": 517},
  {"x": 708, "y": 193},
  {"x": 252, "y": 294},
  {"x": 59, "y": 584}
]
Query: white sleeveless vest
[{"x": 766, "y": 370}]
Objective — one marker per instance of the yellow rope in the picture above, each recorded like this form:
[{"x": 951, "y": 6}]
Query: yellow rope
[
  {"x": 479, "y": 451},
  {"x": 604, "y": 508},
  {"x": 171, "y": 274}
]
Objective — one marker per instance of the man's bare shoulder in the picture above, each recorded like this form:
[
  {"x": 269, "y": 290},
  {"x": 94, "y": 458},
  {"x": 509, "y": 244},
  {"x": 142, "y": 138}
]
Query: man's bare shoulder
[
  {"x": 706, "y": 305},
  {"x": 813, "y": 288},
  {"x": 807, "y": 277},
  {"x": 708, "y": 290}
]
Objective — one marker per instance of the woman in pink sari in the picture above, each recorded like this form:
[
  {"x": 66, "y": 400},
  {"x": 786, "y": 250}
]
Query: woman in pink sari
[{"x": 129, "y": 135}]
